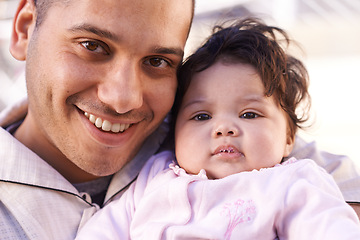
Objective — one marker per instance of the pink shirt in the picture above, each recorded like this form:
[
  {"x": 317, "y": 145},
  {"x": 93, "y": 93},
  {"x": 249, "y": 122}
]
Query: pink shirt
[{"x": 294, "y": 200}]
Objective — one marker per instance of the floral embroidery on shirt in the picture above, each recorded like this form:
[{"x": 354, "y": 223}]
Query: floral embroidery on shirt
[{"x": 238, "y": 212}]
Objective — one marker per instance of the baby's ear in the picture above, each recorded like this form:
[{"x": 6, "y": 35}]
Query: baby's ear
[
  {"x": 290, "y": 141},
  {"x": 23, "y": 25}
]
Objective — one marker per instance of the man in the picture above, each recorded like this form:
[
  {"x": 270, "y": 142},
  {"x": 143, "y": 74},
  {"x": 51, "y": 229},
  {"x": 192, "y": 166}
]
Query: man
[{"x": 101, "y": 77}]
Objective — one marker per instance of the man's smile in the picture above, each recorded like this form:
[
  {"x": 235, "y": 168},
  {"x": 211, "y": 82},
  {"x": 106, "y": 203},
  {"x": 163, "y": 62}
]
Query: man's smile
[{"x": 106, "y": 125}]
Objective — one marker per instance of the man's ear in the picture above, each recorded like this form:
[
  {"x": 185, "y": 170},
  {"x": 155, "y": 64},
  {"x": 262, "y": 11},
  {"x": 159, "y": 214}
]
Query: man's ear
[{"x": 23, "y": 25}]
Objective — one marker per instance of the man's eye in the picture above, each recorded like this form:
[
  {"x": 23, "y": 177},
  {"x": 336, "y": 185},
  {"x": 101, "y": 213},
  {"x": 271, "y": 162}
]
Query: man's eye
[
  {"x": 249, "y": 115},
  {"x": 93, "y": 47},
  {"x": 157, "y": 62},
  {"x": 202, "y": 117}
]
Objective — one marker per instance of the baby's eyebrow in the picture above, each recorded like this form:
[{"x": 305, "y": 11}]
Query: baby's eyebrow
[
  {"x": 193, "y": 102},
  {"x": 253, "y": 98}
]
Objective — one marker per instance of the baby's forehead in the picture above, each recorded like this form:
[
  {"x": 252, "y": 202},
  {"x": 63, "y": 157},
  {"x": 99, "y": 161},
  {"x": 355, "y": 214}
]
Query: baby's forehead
[{"x": 209, "y": 97}]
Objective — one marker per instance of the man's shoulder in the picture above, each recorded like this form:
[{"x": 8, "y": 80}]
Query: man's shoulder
[{"x": 13, "y": 113}]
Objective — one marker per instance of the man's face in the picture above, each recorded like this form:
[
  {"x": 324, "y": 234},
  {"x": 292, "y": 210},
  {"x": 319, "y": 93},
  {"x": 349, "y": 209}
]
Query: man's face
[{"x": 109, "y": 62}]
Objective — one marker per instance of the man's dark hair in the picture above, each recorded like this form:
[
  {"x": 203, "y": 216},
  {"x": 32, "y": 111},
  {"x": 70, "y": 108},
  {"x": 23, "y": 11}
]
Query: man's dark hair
[{"x": 42, "y": 7}]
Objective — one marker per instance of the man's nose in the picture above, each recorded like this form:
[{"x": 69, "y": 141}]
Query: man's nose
[{"x": 122, "y": 89}]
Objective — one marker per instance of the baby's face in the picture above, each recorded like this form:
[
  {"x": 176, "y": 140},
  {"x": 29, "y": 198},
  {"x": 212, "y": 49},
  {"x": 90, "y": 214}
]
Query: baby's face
[{"x": 226, "y": 125}]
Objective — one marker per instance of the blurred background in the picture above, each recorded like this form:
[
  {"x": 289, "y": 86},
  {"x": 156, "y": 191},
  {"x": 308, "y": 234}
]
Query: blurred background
[{"x": 327, "y": 31}]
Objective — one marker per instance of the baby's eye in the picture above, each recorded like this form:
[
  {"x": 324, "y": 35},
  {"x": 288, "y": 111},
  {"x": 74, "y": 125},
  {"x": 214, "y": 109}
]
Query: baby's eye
[
  {"x": 249, "y": 115},
  {"x": 202, "y": 117}
]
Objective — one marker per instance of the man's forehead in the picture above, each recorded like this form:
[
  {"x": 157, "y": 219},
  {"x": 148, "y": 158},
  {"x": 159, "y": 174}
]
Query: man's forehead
[
  {"x": 146, "y": 12},
  {"x": 138, "y": 22}
]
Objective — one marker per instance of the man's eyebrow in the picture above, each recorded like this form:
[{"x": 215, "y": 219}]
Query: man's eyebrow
[
  {"x": 95, "y": 30},
  {"x": 174, "y": 51},
  {"x": 109, "y": 35}
]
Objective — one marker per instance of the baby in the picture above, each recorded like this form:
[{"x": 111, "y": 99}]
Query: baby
[{"x": 236, "y": 114}]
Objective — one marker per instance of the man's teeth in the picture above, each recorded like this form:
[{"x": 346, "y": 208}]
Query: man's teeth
[{"x": 105, "y": 125}]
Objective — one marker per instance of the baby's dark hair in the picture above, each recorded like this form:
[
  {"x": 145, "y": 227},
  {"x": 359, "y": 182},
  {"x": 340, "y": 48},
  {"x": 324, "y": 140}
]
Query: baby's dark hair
[{"x": 250, "y": 41}]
